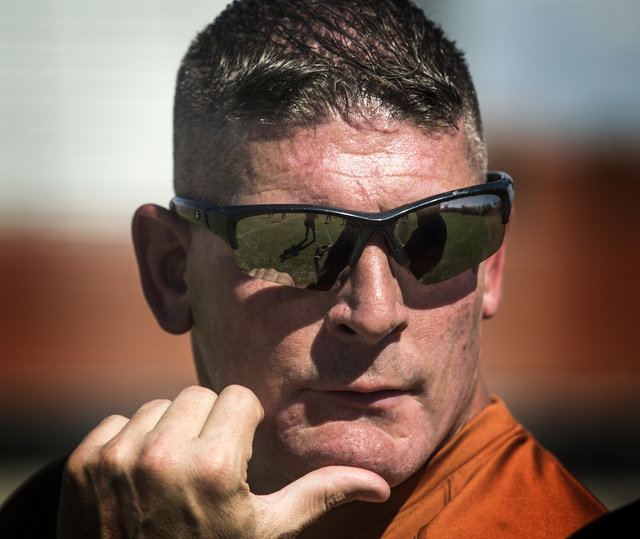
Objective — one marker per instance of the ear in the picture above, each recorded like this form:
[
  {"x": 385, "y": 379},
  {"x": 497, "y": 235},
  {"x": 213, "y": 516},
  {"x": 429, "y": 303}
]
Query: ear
[
  {"x": 493, "y": 272},
  {"x": 161, "y": 241}
]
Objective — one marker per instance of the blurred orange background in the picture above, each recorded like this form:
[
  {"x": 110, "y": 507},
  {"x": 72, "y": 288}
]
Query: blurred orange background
[{"x": 86, "y": 102}]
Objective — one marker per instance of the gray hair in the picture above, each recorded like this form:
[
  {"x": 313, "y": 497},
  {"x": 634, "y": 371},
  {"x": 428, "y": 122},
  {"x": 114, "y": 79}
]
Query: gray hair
[{"x": 278, "y": 64}]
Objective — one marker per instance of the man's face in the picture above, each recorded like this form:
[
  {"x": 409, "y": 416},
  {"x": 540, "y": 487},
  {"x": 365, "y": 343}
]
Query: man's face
[{"x": 377, "y": 373}]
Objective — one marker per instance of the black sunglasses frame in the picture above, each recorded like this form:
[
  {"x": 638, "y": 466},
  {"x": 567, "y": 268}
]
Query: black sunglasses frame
[{"x": 221, "y": 220}]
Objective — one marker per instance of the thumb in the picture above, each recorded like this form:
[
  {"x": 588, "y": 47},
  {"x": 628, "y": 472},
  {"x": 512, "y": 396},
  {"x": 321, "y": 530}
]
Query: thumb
[{"x": 298, "y": 505}]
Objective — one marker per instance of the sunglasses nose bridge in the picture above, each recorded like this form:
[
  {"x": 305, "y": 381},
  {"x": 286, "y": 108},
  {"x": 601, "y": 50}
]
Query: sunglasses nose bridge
[{"x": 387, "y": 230}]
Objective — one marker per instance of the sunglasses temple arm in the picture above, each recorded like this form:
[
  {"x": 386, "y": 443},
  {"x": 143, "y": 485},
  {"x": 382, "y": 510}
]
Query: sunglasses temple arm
[
  {"x": 218, "y": 223},
  {"x": 222, "y": 225}
]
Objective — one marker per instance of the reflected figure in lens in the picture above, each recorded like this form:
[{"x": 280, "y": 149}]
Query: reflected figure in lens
[
  {"x": 426, "y": 244},
  {"x": 310, "y": 224},
  {"x": 338, "y": 256},
  {"x": 294, "y": 250},
  {"x": 317, "y": 258}
]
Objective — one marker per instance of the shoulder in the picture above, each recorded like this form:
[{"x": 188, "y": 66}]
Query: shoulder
[
  {"x": 515, "y": 488},
  {"x": 32, "y": 510}
]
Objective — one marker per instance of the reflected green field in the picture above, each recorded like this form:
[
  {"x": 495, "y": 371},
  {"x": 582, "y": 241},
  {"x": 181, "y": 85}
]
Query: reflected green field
[
  {"x": 470, "y": 238},
  {"x": 269, "y": 241}
]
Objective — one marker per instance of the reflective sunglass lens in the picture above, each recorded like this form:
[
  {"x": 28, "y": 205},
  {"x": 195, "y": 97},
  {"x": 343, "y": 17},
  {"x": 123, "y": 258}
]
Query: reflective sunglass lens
[
  {"x": 454, "y": 237},
  {"x": 311, "y": 250}
]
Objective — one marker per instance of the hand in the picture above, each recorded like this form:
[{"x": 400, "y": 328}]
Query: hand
[
  {"x": 179, "y": 469},
  {"x": 271, "y": 275},
  {"x": 322, "y": 249}
]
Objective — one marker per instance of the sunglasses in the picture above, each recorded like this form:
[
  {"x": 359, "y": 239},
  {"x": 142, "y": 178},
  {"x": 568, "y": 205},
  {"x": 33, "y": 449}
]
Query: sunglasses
[{"x": 309, "y": 246}]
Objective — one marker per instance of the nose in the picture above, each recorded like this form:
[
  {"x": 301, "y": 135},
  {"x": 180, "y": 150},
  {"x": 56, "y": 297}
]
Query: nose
[{"x": 369, "y": 305}]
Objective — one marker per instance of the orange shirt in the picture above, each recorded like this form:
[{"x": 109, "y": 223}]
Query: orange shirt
[{"x": 493, "y": 480}]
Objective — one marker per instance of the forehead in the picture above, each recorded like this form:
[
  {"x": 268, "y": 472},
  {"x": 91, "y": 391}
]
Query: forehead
[{"x": 368, "y": 167}]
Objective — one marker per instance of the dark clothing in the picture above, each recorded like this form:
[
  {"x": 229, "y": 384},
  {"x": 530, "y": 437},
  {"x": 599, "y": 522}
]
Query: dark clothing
[{"x": 32, "y": 510}]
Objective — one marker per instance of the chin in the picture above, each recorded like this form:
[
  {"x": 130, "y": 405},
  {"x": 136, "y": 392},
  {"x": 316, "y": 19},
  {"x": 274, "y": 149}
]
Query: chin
[{"x": 395, "y": 459}]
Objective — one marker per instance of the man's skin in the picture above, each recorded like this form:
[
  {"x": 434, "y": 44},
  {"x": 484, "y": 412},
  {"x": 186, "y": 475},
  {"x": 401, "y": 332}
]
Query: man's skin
[{"x": 315, "y": 398}]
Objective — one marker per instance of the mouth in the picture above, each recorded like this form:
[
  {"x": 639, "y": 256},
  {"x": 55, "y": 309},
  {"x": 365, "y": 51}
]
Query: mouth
[{"x": 377, "y": 399}]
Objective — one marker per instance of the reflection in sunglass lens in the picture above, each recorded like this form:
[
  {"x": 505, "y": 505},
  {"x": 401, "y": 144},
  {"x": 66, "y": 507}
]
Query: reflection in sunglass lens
[
  {"x": 297, "y": 244},
  {"x": 454, "y": 236},
  {"x": 440, "y": 241},
  {"x": 423, "y": 236}
]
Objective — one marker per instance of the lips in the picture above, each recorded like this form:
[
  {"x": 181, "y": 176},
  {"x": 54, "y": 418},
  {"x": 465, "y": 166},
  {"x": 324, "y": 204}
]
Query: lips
[{"x": 377, "y": 399}]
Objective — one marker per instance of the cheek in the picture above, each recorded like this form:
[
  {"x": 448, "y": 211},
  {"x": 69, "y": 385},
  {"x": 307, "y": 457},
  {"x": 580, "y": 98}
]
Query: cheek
[
  {"x": 246, "y": 331},
  {"x": 462, "y": 343},
  {"x": 450, "y": 340},
  {"x": 212, "y": 280}
]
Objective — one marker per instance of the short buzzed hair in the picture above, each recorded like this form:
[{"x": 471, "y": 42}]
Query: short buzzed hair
[{"x": 265, "y": 65}]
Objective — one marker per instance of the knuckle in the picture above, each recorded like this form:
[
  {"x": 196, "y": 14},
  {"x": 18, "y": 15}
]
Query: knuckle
[
  {"x": 113, "y": 418},
  {"x": 89, "y": 454},
  {"x": 157, "y": 458},
  {"x": 241, "y": 393},
  {"x": 245, "y": 398},
  {"x": 149, "y": 413},
  {"x": 155, "y": 405},
  {"x": 196, "y": 392},
  {"x": 114, "y": 456},
  {"x": 77, "y": 463},
  {"x": 329, "y": 500},
  {"x": 270, "y": 275},
  {"x": 222, "y": 473}
]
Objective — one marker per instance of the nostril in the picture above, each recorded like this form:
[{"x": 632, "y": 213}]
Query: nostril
[{"x": 344, "y": 328}]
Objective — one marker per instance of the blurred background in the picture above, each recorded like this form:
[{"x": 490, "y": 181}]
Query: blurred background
[{"x": 85, "y": 137}]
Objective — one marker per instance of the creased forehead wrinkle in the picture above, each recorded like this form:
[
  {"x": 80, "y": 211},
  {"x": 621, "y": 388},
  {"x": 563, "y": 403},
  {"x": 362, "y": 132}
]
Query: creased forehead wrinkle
[{"x": 285, "y": 63}]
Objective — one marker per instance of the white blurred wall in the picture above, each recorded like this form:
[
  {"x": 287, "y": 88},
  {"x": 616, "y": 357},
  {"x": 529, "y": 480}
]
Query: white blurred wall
[{"x": 86, "y": 91}]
